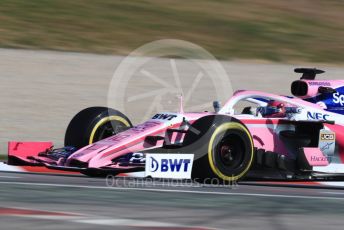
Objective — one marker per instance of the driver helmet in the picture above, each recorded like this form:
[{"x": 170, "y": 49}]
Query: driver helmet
[{"x": 274, "y": 109}]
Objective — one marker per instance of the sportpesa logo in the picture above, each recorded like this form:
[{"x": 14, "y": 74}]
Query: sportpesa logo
[{"x": 338, "y": 98}]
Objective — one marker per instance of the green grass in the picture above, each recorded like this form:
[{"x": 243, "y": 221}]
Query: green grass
[{"x": 277, "y": 30}]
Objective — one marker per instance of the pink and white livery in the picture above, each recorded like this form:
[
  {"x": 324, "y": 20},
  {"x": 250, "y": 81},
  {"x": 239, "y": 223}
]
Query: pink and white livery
[{"x": 255, "y": 134}]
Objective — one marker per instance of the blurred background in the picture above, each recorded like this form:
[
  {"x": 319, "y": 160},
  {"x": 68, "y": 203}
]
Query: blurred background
[
  {"x": 275, "y": 30},
  {"x": 58, "y": 57}
]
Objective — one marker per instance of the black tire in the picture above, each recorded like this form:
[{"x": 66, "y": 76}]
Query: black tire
[
  {"x": 93, "y": 124},
  {"x": 223, "y": 149}
]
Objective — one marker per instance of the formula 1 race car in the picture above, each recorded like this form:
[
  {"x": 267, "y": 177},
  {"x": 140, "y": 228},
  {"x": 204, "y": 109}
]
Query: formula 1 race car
[{"x": 255, "y": 134}]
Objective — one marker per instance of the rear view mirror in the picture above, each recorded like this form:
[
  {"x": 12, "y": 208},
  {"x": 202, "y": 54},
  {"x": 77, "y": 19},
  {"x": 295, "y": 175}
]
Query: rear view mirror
[{"x": 217, "y": 106}]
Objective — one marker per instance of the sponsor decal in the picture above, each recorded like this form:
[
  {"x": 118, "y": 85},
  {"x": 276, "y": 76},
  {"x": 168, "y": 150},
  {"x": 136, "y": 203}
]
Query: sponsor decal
[
  {"x": 338, "y": 98},
  {"x": 317, "y": 116},
  {"x": 327, "y": 140},
  {"x": 318, "y": 159},
  {"x": 94, "y": 147},
  {"x": 119, "y": 137},
  {"x": 137, "y": 158},
  {"x": 144, "y": 126},
  {"x": 162, "y": 116},
  {"x": 136, "y": 129},
  {"x": 319, "y": 83},
  {"x": 175, "y": 166},
  {"x": 326, "y": 146},
  {"x": 327, "y": 136}
]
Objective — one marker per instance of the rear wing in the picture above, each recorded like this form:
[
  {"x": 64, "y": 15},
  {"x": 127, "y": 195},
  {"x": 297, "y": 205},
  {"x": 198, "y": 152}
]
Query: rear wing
[{"x": 308, "y": 73}]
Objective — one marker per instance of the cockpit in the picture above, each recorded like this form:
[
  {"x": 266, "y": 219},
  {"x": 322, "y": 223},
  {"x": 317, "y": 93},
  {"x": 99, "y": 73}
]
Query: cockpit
[{"x": 261, "y": 107}]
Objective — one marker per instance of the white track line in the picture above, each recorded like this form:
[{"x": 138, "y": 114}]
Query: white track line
[
  {"x": 10, "y": 177},
  {"x": 126, "y": 222},
  {"x": 178, "y": 191},
  {"x": 334, "y": 193},
  {"x": 94, "y": 220}
]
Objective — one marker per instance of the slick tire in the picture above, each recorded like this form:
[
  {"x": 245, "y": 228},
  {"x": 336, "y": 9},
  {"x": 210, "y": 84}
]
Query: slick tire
[
  {"x": 93, "y": 124},
  {"x": 223, "y": 149}
]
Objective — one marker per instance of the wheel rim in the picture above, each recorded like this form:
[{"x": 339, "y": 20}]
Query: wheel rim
[
  {"x": 231, "y": 151},
  {"x": 220, "y": 135},
  {"x": 108, "y": 129}
]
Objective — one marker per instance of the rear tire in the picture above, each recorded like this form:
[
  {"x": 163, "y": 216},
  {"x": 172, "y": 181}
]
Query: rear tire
[{"x": 94, "y": 124}]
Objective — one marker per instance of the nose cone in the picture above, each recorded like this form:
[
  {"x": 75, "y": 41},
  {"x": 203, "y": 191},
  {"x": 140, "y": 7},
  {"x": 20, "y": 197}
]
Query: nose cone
[
  {"x": 85, "y": 154},
  {"x": 99, "y": 161}
]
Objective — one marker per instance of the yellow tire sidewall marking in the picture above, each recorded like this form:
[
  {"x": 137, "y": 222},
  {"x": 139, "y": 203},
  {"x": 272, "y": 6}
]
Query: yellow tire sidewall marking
[
  {"x": 221, "y": 128},
  {"x": 105, "y": 120}
]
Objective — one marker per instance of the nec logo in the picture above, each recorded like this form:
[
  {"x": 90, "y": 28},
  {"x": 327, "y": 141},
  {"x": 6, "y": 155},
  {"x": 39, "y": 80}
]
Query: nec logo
[
  {"x": 317, "y": 116},
  {"x": 176, "y": 166},
  {"x": 172, "y": 165}
]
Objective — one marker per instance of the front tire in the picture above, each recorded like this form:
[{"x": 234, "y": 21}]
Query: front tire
[
  {"x": 224, "y": 149},
  {"x": 94, "y": 124}
]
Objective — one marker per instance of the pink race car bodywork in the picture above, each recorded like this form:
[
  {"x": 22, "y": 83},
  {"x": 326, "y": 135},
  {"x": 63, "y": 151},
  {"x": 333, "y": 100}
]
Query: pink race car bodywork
[{"x": 274, "y": 138}]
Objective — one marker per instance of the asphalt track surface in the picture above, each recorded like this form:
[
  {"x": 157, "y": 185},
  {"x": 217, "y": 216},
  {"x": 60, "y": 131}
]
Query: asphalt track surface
[{"x": 33, "y": 201}]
